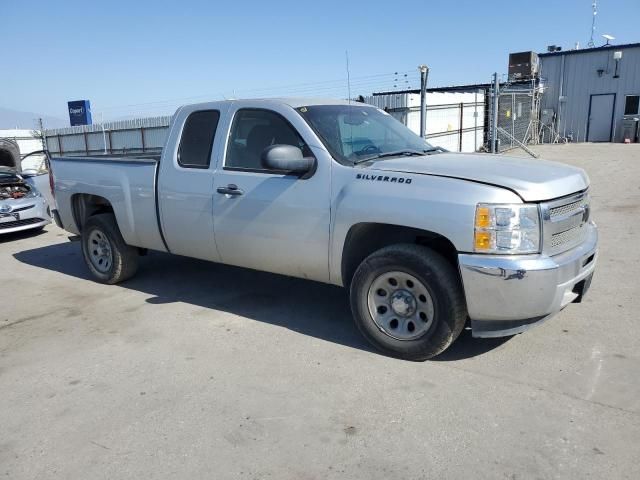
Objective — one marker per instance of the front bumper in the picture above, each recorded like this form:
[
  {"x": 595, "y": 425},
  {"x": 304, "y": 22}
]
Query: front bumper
[
  {"x": 25, "y": 214},
  {"x": 509, "y": 294}
]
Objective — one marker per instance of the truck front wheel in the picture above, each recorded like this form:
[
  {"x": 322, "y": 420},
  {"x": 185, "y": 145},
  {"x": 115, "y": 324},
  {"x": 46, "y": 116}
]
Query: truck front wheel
[
  {"x": 407, "y": 301},
  {"x": 105, "y": 252}
]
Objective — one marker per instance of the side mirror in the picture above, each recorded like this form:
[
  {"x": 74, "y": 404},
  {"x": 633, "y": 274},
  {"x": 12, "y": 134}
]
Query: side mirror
[{"x": 286, "y": 158}]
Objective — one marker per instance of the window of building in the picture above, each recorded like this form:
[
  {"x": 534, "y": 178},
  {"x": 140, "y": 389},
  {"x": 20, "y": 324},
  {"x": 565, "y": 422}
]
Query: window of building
[
  {"x": 197, "y": 139},
  {"x": 632, "y": 105},
  {"x": 254, "y": 130}
]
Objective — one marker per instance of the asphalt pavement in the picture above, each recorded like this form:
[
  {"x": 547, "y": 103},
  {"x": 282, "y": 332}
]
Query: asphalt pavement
[{"x": 195, "y": 370}]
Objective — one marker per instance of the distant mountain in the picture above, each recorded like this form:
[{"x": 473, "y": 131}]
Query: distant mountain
[{"x": 28, "y": 120}]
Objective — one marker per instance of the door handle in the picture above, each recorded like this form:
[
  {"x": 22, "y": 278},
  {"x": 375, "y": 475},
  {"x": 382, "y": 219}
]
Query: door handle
[{"x": 230, "y": 189}]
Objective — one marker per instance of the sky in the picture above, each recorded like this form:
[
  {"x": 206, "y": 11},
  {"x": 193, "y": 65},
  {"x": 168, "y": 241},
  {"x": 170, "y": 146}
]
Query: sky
[{"x": 141, "y": 58}]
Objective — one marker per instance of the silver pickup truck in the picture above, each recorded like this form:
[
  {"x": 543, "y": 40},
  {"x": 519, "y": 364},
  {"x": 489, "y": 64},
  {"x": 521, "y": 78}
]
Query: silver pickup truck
[{"x": 426, "y": 241}]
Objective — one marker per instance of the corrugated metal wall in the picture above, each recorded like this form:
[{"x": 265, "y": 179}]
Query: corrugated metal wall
[{"x": 580, "y": 79}]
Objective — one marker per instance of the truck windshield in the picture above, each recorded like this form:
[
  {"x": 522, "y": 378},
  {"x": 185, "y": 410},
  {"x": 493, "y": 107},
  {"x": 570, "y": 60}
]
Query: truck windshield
[{"x": 354, "y": 134}]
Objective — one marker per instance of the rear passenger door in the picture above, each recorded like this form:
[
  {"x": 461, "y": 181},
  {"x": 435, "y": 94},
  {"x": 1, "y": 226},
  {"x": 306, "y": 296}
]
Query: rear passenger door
[
  {"x": 186, "y": 182},
  {"x": 276, "y": 222}
]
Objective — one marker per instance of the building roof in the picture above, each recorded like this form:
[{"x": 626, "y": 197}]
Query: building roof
[
  {"x": 472, "y": 87},
  {"x": 453, "y": 88},
  {"x": 589, "y": 50}
]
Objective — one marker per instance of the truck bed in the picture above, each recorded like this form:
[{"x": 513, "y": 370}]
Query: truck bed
[{"x": 126, "y": 182}]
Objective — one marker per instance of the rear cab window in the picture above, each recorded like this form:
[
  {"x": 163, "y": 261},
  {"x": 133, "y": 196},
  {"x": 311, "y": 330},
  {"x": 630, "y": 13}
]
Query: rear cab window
[{"x": 197, "y": 139}]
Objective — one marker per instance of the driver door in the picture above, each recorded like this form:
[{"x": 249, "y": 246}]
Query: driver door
[{"x": 271, "y": 221}]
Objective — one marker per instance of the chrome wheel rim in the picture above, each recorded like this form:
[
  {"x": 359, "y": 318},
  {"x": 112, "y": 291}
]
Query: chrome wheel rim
[
  {"x": 400, "y": 305},
  {"x": 100, "y": 253}
]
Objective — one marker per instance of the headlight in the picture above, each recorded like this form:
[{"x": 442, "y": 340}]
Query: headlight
[{"x": 504, "y": 228}]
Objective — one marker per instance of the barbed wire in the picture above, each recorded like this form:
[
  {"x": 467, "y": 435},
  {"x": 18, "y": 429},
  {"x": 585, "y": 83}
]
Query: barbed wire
[{"x": 400, "y": 80}]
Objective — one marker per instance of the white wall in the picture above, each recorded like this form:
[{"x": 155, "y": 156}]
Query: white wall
[
  {"x": 443, "y": 116},
  {"x": 28, "y": 143}
]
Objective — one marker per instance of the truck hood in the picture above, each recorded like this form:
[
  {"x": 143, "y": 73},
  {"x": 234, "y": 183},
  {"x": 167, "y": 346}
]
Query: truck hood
[{"x": 532, "y": 179}]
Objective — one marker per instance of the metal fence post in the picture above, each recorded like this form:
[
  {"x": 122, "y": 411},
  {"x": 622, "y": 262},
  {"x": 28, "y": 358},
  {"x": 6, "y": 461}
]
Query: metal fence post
[
  {"x": 475, "y": 123},
  {"x": 86, "y": 142},
  {"x": 494, "y": 114},
  {"x": 424, "y": 75},
  {"x": 460, "y": 127}
]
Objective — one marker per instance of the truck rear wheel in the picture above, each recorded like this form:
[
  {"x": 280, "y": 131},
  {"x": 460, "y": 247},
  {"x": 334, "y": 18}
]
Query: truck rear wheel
[
  {"x": 407, "y": 301},
  {"x": 108, "y": 257}
]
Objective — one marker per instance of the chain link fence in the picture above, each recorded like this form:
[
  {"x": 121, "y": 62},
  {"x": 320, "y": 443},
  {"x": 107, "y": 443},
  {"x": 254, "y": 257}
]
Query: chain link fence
[{"x": 517, "y": 119}]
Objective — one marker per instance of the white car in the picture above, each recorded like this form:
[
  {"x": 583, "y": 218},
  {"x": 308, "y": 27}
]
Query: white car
[{"x": 22, "y": 206}]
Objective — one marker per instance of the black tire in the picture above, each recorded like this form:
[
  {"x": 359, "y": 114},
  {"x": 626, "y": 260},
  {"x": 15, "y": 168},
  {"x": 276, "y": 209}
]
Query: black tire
[
  {"x": 124, "y": 257},
  {"x": 440, "y": 279}
]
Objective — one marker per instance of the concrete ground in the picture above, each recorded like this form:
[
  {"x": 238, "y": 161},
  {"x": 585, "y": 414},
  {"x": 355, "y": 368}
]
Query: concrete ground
[{"x": 195, "y": 370}]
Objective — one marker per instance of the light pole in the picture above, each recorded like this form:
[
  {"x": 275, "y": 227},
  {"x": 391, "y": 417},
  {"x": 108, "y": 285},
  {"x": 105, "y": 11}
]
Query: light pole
[{"x": 424, "y": 75}]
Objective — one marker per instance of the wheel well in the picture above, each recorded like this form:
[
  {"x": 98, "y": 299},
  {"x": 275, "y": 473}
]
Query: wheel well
[
  {"x": 365, "y": 238},
  {"x": 84, "y": 205}
]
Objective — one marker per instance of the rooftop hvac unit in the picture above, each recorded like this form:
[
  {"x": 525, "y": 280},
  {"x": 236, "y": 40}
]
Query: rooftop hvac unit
[{"x": 523, "y": 66}]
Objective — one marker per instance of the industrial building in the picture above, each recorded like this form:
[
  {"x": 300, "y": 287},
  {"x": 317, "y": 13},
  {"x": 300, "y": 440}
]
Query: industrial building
[{"x": 592, "y": 94}]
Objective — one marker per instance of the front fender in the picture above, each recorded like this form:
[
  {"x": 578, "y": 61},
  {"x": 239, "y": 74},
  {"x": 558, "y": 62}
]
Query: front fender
[{"x": 445, "y": 206}]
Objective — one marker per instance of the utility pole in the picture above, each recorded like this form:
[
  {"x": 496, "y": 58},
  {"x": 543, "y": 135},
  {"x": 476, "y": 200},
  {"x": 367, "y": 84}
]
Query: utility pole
[
  {"x": 424, "y": 75},
  {"x": 494, "y": 114},
  {"x": 42, "y": 139}
]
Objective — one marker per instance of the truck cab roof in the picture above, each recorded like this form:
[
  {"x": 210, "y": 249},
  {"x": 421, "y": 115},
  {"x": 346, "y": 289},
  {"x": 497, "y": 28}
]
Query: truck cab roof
[{"x": 293, "y": 102}]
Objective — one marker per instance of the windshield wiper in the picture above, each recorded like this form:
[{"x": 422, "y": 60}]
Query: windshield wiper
[{"x": 397, "y": 153}]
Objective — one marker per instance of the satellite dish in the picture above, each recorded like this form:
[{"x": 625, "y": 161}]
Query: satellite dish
[{"x": 608, "y": 38}]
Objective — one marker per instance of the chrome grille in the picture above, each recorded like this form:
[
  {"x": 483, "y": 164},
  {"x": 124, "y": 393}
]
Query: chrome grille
[
  {"x": 574, "y": 235},
  {"x": 564, "y": 210},
  {"x": 564, "y": 222}
]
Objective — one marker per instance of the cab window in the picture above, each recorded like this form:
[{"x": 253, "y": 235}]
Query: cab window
[
  {"x": 197, "y": 139},
  {"x": 252, "y": 131}
]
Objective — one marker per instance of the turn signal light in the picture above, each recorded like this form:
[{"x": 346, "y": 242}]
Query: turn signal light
[
  {"x": 483, "y": 217},
  {"x": 482, "y": 241}
]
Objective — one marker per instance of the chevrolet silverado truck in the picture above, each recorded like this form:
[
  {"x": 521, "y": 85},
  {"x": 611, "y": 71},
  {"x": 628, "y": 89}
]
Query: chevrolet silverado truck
[{"x": 425, "y": 241}]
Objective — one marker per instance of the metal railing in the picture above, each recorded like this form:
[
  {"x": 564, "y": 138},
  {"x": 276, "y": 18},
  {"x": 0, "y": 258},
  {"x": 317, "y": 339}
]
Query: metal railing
[{"x": 143, "y": 135}]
